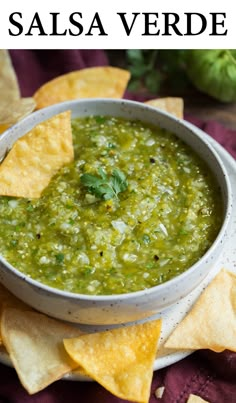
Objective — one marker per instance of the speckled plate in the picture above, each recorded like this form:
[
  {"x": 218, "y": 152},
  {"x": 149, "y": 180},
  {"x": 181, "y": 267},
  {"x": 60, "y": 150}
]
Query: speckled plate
[{"x": 172, "y": 316}]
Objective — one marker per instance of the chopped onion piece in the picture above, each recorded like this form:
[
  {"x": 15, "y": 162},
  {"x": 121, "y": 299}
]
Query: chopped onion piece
[
  {"x": 164, "y": 230},
  {"x": 129, "y": 257},
  {"x": 119, "y": 225},
  {"x": 164, "y": 262},
  {"x": 150, "y": 142},
  {"x": 13, "y": 203}
]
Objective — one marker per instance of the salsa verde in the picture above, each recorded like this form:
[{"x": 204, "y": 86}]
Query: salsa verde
[{"x": 165, "y": 218}]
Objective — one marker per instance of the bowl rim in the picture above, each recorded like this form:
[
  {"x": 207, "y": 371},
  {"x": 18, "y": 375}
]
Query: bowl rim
[{"x": 62, "y": 106}]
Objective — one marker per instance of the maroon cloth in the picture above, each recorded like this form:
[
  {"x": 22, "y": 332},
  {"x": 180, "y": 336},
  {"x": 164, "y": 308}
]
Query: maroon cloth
[{"x": 209, "y": 375}]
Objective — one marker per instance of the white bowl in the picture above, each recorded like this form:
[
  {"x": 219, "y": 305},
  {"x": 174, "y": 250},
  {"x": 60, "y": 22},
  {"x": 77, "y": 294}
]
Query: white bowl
[{"x": 107, "y": 310}]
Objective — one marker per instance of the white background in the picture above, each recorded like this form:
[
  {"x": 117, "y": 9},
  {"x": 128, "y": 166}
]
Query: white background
[{"x": 117, "y": 37}]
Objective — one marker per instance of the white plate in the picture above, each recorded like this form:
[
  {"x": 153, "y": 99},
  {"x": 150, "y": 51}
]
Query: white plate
[{"x": 172, "y": 316}]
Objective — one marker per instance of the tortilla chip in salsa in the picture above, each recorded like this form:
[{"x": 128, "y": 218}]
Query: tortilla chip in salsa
[{"x": 36, "y": 157}]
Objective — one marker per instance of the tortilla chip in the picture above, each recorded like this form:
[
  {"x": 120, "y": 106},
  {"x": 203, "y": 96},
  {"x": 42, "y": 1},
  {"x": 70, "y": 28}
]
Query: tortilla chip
[
  {"x": 9, "y": 88},
  {"x": 211, "y": 324},
  {"x": 174, "y": 106},
  {"x": 36, "y": 157},
  {"x": 81, "y": 373},
  {"x": 34, "y": 343},
  {"x": 3, "y": 128},
  {"x": 93, "y": 82},
  {"x": 196, "y": 399},
  {"x": 12, "y": 112},
  {"x": 121, "y": 359},
  {"x": 7, "y": 299},
  {"x": 12, "y": 107},
  {"x": 4, "y": 356}
]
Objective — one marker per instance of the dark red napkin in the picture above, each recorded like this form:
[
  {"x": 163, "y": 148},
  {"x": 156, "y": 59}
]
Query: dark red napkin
[{"x": 209, "y": 375}]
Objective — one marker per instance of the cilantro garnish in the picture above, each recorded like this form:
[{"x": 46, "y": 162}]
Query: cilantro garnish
[
  {"x": 59, "y": 257},
  {"x": 103, "y": 186}
]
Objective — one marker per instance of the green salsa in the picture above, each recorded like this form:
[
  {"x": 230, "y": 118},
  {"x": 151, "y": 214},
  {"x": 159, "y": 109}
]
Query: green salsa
[{"x": 164, "y": 217}]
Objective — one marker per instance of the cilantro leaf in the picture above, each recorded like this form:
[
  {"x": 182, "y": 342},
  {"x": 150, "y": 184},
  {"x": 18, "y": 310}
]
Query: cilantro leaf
[
  {"x": 156, "y": 69},
  {"x": 59, "y": 257},
  {"x": 105, "y": 187}
]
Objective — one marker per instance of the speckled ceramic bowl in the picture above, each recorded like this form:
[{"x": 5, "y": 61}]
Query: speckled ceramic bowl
[{"x": 107, "y": 310}]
